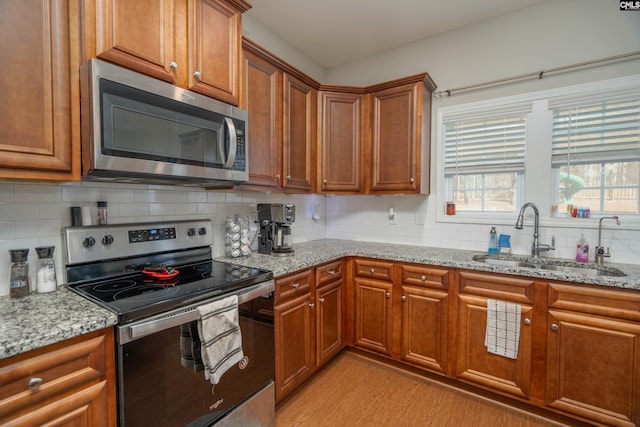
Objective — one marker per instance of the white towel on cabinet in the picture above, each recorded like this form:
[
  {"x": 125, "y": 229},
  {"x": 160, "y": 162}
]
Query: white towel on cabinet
[
  {"x": 502, "y": 335},
  {"x": 220, "y": 337}
]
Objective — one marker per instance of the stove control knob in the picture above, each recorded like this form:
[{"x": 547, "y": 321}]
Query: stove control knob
[
  {"x": 202, "y": 231},
  {"x": 87, "y": 242},
  {"x": 191, "y": 232},
  {"x": 107, "y": 240}
]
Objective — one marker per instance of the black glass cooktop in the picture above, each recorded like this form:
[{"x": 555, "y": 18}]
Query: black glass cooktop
[{"x": 137, "y": 295}]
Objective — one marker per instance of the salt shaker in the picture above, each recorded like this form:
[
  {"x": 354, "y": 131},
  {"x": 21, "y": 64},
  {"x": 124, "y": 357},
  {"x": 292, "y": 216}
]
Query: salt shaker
[
  {"x": 46, "y": 274},
  {"x": 19, "y": 282}
]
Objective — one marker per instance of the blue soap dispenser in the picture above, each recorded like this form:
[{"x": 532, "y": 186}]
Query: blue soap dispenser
[{"x": 493, "y": 241}]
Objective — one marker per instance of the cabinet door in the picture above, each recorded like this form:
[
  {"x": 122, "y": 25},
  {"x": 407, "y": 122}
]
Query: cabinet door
[
  {"x": 593, "y": 367},
  {"x": 263, "y": 101},
  {"x": 340, "y": 144},
  {"x": 328, "y": 321},
  {"x": 135, "y": 34},
  {"x": 294, "y": 342},
  {"x": 373, "y": 316},
  {"x": 477, "y": 365},
  {"x": 39, "y": 136},
  {"x": 424, "y": 328},
  {"x": 396, "y": 139},
  {"x": 215, "y": 49},
  {"x": 299, "y": 133}
]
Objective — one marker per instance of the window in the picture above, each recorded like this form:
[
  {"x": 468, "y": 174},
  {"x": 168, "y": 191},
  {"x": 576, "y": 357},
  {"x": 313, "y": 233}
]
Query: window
[
  {"x": 484, "y": 162},
  {"x": 596, "y": 155}
]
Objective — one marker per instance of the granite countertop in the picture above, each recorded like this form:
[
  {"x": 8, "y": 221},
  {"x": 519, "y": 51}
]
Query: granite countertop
[
  {"x": 318, "y": 252},
  {"x": 38, "y": 320},
  {"x": 42, "y": 319}
]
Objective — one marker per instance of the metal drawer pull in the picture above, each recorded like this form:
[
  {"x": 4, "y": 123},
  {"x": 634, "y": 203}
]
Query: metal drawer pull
[
  {"x": 312, "y": 305},
  {"x": 331, "y": 272},
  {"x": 173, "y": 65},
  {"x": 404, "y": 298},
  {"x": 554, "y": 327},
  {"x": 197, "y": 75},
  {"x": 295, "y": 285},
  {"x": 423, "y": 277},
  {"x": 526, "y": 321},
  {"x": 373, "y": 270},
  {"x": 35, "y": 383},
  {"x": 388, "y": 295},
  {"x": 321, "y": 300}
]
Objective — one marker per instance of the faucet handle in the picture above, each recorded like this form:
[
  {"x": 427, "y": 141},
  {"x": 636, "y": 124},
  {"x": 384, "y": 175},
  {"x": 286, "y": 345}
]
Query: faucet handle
[{"x": 553, "y": 243}]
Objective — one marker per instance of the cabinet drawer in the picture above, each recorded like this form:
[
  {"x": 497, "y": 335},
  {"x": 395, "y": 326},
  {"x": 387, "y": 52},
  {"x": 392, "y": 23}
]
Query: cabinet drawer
[
  {"x": 605, "y": 302},
  {"x": 497, "y": 286},
  {"x": 328, "y": 273},
  {"x": 425, "y": 276},
  {"x": 293, "y": 285},
  {"x": 374, "y": 269},
  {"x": 35, "y": 381}
]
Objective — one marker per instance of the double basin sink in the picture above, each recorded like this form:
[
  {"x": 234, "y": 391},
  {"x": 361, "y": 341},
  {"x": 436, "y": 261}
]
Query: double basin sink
[{"x": 562, "y": 266}]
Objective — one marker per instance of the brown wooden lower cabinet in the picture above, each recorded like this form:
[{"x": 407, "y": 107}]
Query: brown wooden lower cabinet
[
  {"x": 579, "y": 345},
  {"x": 593, "y": 354},
  {"x": 308, "y": 324},
  {"x": 71, "y": 383},
  {"x": 474, "y": 363}
]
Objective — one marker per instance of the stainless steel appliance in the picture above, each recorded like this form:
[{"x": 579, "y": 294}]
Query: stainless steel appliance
[
  {"x": 139, "y": 129},
  {"x": 154, "y": 276},
  {"x": 275, "y": 221}
]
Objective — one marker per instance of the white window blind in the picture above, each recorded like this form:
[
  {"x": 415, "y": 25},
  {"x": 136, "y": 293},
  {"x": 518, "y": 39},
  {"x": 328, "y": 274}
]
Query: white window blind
[
  {"x": 484, "y": 145},
  {"x": 599, "y": 131}
]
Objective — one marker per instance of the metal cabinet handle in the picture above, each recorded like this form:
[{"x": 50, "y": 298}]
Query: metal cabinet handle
[
  {"x": 295, "y": 285},
  {"x": 173, "y": 65},
  {"x": 423, "y": 277},
  {"x": 277, "y": 176},
  {"x": 312, "y": 305},
  {"x": 373, "y": 270},
  {"x": 197, "y": 75},
  {"x": 412, "y": 180},
  {"x": 331, "y": 272},
  {"x": 554, "y": 327},
  {"x": 34, "y": 383},
  {"x": 288, "y": 177},
  {"x": 526, "y": 321},
  {"x": 325, "y": 182},
  {"x": 404, "y": 298},
  {"x": 321, "y": 300},
  {"x": 388, "y": 295}
]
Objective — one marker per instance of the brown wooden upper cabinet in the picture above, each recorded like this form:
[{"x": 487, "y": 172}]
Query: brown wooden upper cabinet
[
  {"x": 282, "y": 105},
  {"x": 196, "y": 44},
  {"x": 371, "y": 139},
  {"x": 40, "y": 110}
]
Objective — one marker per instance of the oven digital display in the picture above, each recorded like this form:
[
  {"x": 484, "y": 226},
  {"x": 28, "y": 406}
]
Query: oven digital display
[{"x": 152, "y": 234}]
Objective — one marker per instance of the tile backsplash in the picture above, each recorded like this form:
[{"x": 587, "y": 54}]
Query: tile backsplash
[{"x": 34, "y": 214}]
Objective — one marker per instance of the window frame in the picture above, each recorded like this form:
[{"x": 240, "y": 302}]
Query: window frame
[{"x": 540, "y": 194}]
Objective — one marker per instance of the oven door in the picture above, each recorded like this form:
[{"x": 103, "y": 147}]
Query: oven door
[{"x": 158, "y": 385}]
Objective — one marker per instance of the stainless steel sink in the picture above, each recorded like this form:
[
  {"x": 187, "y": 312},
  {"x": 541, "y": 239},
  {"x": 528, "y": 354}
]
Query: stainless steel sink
[{"x": 563, "y": 266}]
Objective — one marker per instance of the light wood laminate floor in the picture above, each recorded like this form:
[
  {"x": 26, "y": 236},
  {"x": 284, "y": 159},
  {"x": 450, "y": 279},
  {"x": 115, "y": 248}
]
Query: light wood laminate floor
[{"x": 354, "y": 390}]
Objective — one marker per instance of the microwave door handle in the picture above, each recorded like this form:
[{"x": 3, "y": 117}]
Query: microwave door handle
[{"x": 233, "y": 142}]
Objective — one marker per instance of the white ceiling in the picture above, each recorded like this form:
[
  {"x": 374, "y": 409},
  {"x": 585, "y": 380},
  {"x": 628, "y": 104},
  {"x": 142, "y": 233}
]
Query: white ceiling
[{"x": 334, "y": 32}]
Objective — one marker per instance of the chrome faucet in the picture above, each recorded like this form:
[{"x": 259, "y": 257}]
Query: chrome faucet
[
  {"x": 600, "y": 253},
  {"x": 536, "y": 247}
]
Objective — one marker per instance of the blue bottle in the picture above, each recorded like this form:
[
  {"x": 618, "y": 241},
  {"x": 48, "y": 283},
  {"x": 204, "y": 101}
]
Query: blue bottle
[{"x": 493, "y": 241}]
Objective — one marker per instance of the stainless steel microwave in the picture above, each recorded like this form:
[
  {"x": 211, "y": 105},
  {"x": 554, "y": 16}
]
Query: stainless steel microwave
[{"x": 138, "y": 129}]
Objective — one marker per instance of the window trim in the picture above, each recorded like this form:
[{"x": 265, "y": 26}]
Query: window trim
[{"x": 552, "y": 97}]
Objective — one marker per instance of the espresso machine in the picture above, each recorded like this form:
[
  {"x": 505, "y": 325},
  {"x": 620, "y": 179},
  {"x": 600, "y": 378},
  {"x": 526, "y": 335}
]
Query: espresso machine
[{"x": 275, "y": 221}]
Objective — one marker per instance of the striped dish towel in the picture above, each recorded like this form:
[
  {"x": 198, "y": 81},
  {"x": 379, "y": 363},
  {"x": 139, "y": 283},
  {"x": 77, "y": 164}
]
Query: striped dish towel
[
  {"x": 502, "y": 335},
  {"x": 220, "y": 337}
]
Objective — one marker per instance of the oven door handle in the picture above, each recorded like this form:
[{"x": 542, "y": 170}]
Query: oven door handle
[{"x": 178, "y": 317}]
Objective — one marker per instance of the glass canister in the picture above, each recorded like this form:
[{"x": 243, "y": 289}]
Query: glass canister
[
  {"x": 46, "y": 274},
  {"x": 19, "y": 281}
]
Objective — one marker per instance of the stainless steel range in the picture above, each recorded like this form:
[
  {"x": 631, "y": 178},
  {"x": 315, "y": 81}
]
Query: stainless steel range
[{"x": 154, "y": 276}]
